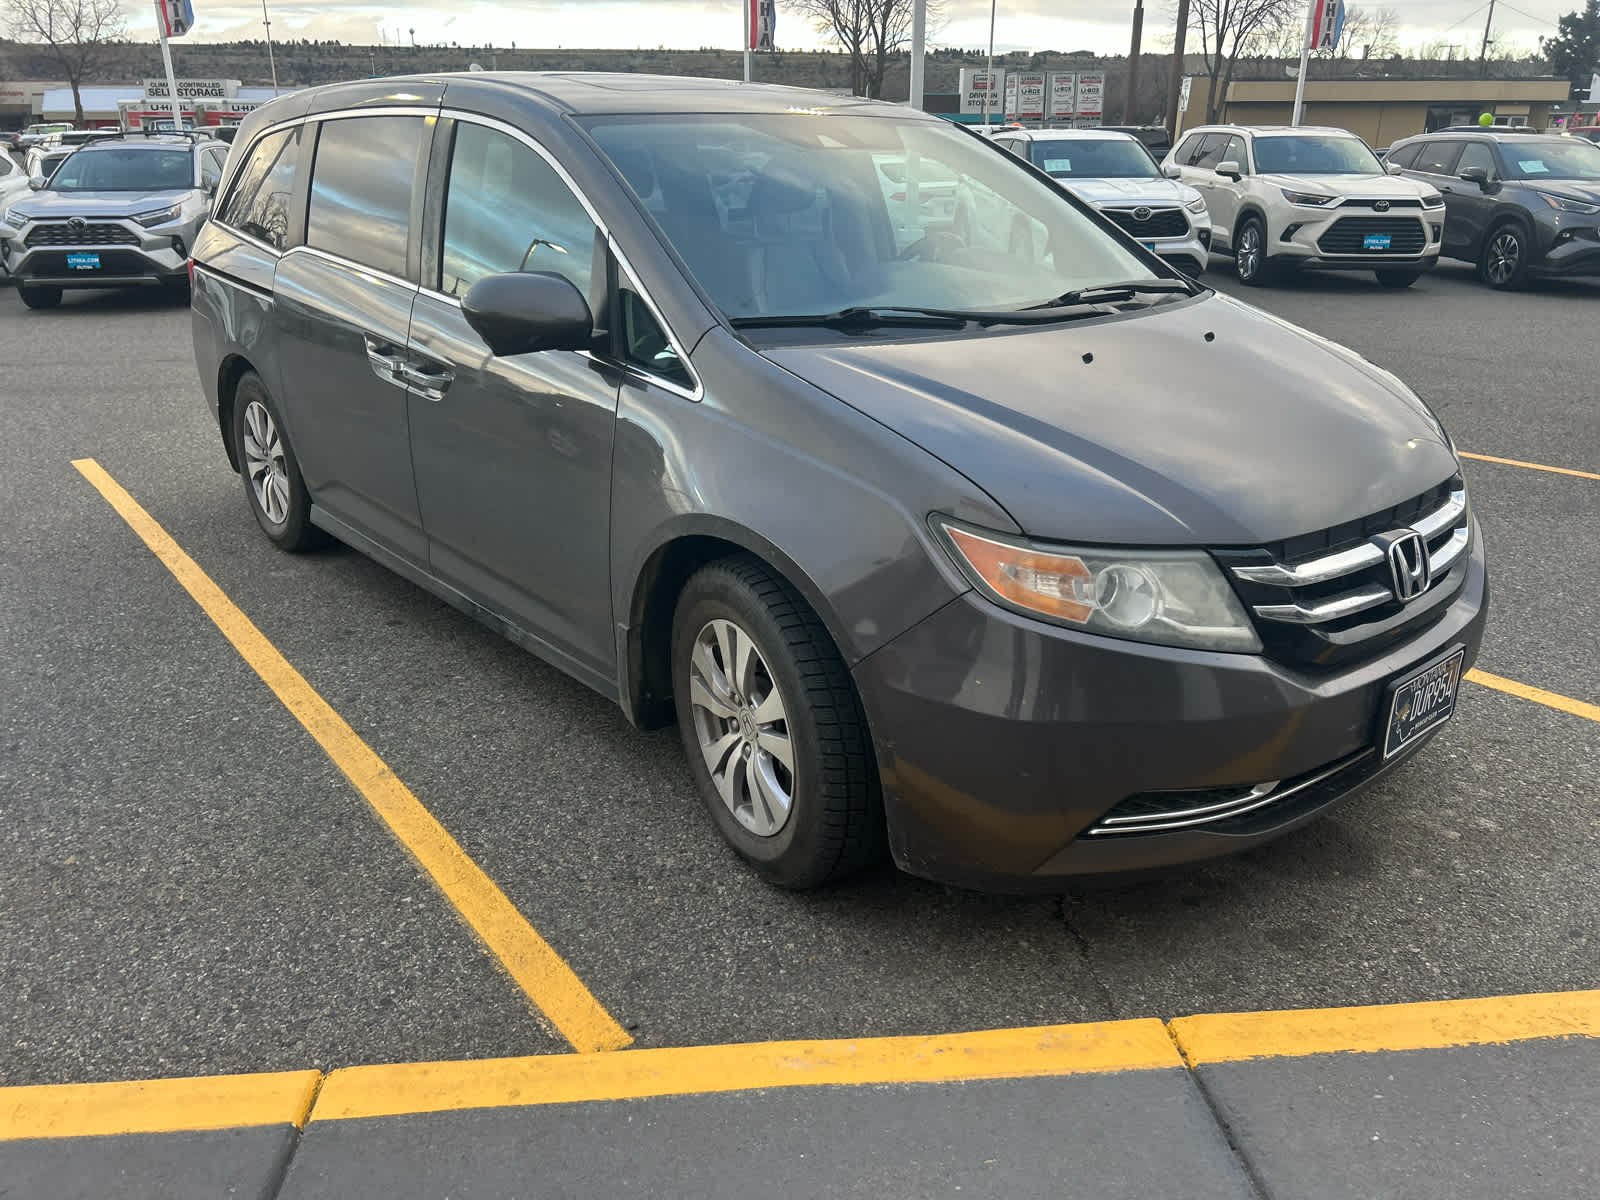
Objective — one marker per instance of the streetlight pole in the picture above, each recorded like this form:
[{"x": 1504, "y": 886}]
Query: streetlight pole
[
  {"x": 988, "y": 92},
  {"x": 271, "y": 61},
  {"x": 919, "y": 33},
  {"x": 1175, "y": 84}
]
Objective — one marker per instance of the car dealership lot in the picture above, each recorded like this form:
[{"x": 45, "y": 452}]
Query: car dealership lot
[{"x": 193, "y": 886}]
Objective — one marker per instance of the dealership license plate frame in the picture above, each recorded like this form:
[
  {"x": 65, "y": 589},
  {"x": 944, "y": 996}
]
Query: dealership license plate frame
[
  {"x": 83, "y": 261},
  {"x": 1405, "y": 687},
  {"x": 1377, "y": 241}
]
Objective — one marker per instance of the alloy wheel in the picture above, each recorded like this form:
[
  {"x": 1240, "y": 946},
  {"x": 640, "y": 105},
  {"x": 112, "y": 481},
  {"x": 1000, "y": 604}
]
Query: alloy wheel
[
  {"x": 742, "y": 727},
  {"x": 264, "y": 463},
  {"x": 1249, "y": 252},
  {"x": 1505, "y": 255}
]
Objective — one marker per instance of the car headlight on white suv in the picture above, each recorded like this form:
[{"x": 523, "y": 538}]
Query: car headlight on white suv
[
  {"x": 159, "y": 216},
  {"x": 1432, "y": 200},
  {"x": 1310, "y": 199}
]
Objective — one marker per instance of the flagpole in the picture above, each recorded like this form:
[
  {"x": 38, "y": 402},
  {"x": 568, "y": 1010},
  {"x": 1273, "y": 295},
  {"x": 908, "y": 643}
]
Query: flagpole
[
  {"x": 166, "y": 58},
  {"x": 748, "y": 5},
  {"x": 1305, "y": 61},
  {"x": 271, "y": 61},
  {"x": 919, "y": 29}
]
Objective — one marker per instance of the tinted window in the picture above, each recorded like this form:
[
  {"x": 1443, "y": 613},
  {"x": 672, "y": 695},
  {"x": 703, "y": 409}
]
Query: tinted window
[
  {"x": 259, "y": 202},
  {"x": 361, "y": 190},
  {"x": 1438, "y": 158},
  {"x": 507, "y": 210},
  {"x": 1477, "y": 154},
  {"x": 1233, "y": 150},
  {"x": 1184, "y": 156},
  {"x": 1210, "y": 152},
  {"x": 1404, "y": 155},
  {"x": 210, "y": 168},
  {"x": 646, "y": 346}
]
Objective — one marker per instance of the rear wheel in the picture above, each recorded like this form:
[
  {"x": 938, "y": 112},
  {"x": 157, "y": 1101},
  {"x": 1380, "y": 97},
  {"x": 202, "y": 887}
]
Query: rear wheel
[
  {"x": 1250, "y": 253},
  {"x": 776, "y": 739},
  {"x": 39, "y": 297},
  {"x": 272, "y": 484},
  {"x": 1398, "y": 279},
  {"x": 1504, "y": 261}
]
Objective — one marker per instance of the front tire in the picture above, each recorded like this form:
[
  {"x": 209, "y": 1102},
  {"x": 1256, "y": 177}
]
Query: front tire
[
  {"x": 1398, "y": 279},
  {"x": 1503, "y": 265},
  {"x": 39, "y": 297},
  {"x": 774, "y": 732},
  {"x": 272, "y": 484},
  {"x": 1250, "y": 253}
]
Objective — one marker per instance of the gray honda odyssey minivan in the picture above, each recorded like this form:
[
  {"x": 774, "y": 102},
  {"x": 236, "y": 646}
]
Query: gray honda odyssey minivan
[{"x": 1024, "y": 559}]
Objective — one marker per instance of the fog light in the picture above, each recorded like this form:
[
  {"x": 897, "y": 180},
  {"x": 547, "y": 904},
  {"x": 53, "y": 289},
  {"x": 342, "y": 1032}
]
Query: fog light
[
  {"x": 1438, "y": 231},
  {"x": 1288, "y": 233},
  {"x": 182, "y": 250}
]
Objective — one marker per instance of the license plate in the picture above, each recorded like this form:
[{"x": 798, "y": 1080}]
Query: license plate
[
  {"x": 1375, "y": 241},
  {"x": 1422, "y": 701},
  {"x": 83, "y": 262}
]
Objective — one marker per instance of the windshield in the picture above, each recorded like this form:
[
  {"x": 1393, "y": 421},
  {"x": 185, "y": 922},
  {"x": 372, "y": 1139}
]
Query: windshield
[
  {"x": 125, "y": 171},
  {"x": 1094, "y": 158},
  {"x": 1565, "y": 159},
  {"x": 808, "y": 212},
  {"x": 1308, "y": 154}
]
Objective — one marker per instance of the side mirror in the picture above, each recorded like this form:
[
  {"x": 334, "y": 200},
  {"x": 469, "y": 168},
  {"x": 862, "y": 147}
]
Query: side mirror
[
  {"x": 1393, "y": 168},
  {"x": 1229, "y": 168},
  {"x": 523, "y": 313},
  {"x": 36, "y": 182},
  {"x": 1477, "y": 175},
  {"x": 1172, "y": 171}
]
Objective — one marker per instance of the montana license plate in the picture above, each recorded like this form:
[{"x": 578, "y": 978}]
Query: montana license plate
[
  {"x": 1422, "y": 701},
  {"x": 1375, "y": 241},
  {"x": 83, "y": 262}
]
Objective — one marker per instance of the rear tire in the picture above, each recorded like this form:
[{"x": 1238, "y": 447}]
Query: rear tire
[
  {"x": 272, "y": 484},
  {"x": 39, "y": 297},
  {"x": 1397, "y": 279},
  {"x": 772, "y": 727},
  {"x": 1503, "y": 265},
  {"x": 1250, "y": 254}
]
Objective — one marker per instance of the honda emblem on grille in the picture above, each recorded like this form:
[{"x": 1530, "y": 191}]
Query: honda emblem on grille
[
  {"x": 1141, "y": 214},
  {"x": 1381, "y": 205},
  {"x": 77, "y": 224},
  {"x": 1409, "y": 570}
]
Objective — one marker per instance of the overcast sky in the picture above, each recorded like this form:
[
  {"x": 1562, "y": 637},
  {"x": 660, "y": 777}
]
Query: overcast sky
[{"x": 1099, "y": 25}]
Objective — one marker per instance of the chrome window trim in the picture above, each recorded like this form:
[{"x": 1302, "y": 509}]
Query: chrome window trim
[{"x": 350, "y": 264}]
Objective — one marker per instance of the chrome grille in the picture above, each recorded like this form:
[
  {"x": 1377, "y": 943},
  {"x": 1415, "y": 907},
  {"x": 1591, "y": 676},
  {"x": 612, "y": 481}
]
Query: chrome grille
[
  {"x": 1157, "y": 223},
  {"x": 62, "y": 233},
  {"x": 1318, "y": 598},
  {"x": 1348, "y": 235}
]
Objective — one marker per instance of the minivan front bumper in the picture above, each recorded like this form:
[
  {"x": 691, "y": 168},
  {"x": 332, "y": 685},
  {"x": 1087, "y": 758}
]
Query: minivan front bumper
[{"x": 1002, "y": 740}]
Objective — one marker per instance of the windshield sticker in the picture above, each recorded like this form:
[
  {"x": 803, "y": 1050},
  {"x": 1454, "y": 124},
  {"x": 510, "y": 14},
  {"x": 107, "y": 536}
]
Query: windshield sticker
[
  {"x": 1533, "y": 166},
  {"x": 1052, "y": 165}
]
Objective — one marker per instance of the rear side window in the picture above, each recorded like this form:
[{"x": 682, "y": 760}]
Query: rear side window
[
  {"x": 1405, "y": 155},
  {"x": 210, "y": 169},
  {"x": 262, "y": 193},
  {"x": 507, "y": 210},
  {"x": 1438, "y": 158},
  {"x": 361, "y": 187}
]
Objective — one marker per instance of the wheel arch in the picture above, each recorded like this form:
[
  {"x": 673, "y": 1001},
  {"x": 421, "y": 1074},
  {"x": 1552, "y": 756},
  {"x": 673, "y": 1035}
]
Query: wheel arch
[
  {"x": 1246, "y": 211},
  {"x": 233, "y": 368}
]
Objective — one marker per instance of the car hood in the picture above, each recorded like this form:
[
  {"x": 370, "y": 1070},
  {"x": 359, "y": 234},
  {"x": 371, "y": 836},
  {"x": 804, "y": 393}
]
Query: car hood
[
  {"x": 1129, "y": 191},
  {"x": 1198, "y": 422},
  {"x": 1377, "y": 186},
  {"x": 47, "y": 204}
]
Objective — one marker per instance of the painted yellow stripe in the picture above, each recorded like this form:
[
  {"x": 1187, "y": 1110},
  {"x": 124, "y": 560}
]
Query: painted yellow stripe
[
  {"x": 157, "y": 1105},
  {"x": 555, "y": 1079},
  {"x": 1532, "y": 466},
  {"x": 1566, "y": 704},
  {"x": 531, "y": 961},
  {"x": 1227, "y": 1037}
]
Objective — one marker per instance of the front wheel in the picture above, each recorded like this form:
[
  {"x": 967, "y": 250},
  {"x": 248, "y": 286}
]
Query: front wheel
[
  {"x": 1250, "y": 254},
  {"x": 1504, "y": 261},
  {"x": 1398, "y": 279},
  {"x": 776, "y": 738},
  {"x": 39, "y": 297}
]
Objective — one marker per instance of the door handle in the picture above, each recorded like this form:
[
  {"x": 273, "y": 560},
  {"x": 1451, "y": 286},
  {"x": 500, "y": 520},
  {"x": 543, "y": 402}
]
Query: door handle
[
  {"x": 431, "y": 382},
  {"x": 384, "y": 359}
]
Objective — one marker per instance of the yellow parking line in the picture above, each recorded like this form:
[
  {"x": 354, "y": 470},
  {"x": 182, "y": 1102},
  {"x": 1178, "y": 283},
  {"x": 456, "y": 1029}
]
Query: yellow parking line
[
  {"x": 1517, "y": 462},
  {"x": 1228, "y": 1037},
  {"x": 1566, "y": 704},
  {"x": 157, "y": 1105},
  {"x": 529, "y": 959},
  {"x": 379, "y": 1091}
]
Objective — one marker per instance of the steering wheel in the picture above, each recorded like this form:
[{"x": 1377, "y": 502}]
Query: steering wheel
[{"x": 931, "y": 246}]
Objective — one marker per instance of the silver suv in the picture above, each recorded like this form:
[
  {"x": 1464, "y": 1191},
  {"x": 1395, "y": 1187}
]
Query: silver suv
[
  {"x": 1285, "y": 197},
  {"x": 116, "y": 213}
]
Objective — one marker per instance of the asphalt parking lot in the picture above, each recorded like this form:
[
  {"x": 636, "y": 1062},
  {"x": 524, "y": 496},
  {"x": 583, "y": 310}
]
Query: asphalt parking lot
[{"x": 193, "y": 887}]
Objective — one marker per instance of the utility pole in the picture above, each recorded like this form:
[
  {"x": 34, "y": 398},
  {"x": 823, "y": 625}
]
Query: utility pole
[
  {"x": 1483, "y": 54},
  {"x": 988, "y": 92},
  {"x": 1132, "y": 98},
  {"x": 271, "y": 61},
  {"x": 919, "y": 34},
  {"x": 1175, "y": 84}
]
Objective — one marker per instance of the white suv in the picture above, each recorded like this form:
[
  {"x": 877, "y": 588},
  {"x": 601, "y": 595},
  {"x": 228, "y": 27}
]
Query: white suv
[{"x": 1283, "y": 197}]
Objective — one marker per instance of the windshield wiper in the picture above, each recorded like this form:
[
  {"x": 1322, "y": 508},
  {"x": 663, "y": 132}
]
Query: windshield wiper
[
  {"x": 1111, "y": 293},
  {"x": 858, "y": 317}
]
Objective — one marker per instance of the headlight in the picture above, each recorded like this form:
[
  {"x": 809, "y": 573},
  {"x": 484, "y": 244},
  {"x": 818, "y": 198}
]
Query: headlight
[
  {"x": 1433, "y": 200},
  {"x": 1313, "y": 199},
  {"x": 160, "y": 216},
  {"x": 1169, "y": 597},
  {"x": 1197, "y": 205},
  {"x": 1565, "y": 205}
]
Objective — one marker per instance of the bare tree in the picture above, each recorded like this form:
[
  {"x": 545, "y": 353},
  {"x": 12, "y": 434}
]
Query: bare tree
[
  {"x": 76, "y": 31},
  {"x": 1368, "y": 33},
  {"x": 870, "y": 32},
  {"x": 1231, "y": 28}
]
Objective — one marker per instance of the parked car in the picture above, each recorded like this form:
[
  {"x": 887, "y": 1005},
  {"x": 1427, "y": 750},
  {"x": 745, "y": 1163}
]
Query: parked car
[
  {"x": 114, "y": 214},
  {"x": 1026, "y": 566},
  {"x": 10, "y": 139},
  {"x": 1115, "y": 173},
  {"x": 1156, "y": 139},
  {"x": 13, "y": 179},
  {"x": 935, "y": 198},
  {"x": 71, "y": 139},
  {"x": 38, "y": 131},
  {"x": 1517, "y": 206},
  {"x": 1285, "y": 198},
  {"x": 1589, "y": 133},
  {"x": 42, "y": 161}
]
